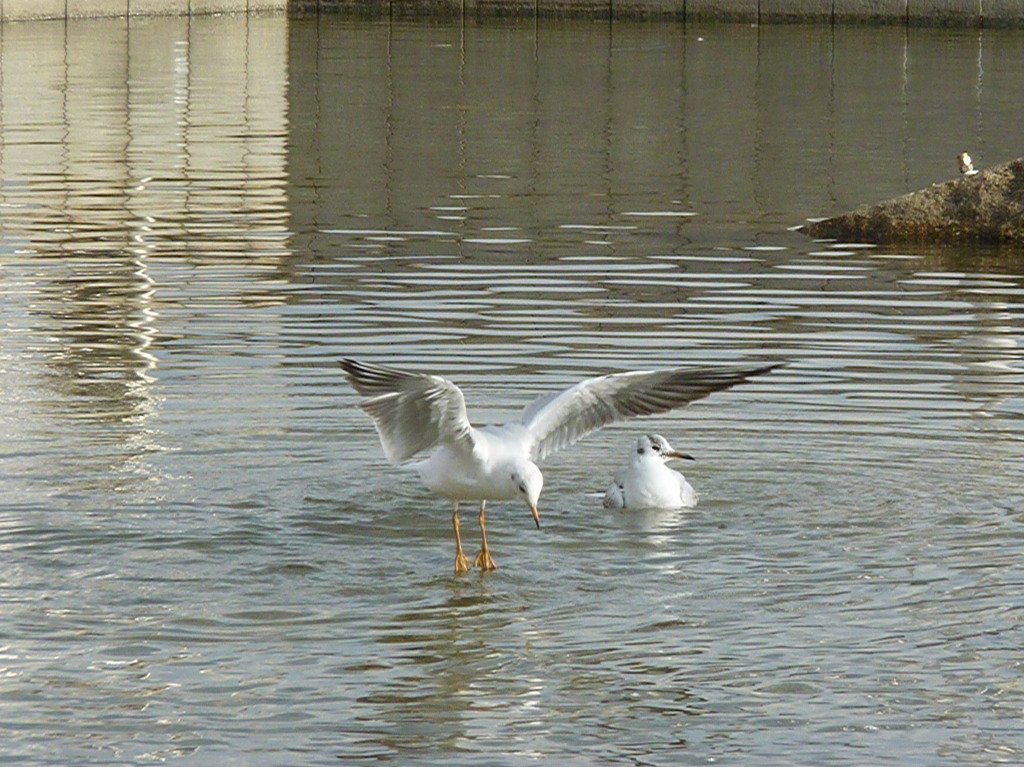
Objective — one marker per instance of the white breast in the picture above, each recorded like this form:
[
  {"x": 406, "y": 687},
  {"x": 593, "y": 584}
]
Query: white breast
[{"x": 650, "y": 484}]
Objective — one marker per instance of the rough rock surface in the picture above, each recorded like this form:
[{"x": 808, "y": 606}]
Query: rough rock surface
[{"x": 985, "y": 207}]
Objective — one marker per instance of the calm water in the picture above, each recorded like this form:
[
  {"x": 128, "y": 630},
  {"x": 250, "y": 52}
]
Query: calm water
[{"x": 205, "y": 557}]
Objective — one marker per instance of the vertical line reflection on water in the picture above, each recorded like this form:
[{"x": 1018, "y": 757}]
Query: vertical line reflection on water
[{"x": 135, "y": 185}]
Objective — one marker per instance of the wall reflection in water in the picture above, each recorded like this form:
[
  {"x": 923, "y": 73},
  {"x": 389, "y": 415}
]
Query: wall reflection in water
[
  {"x": 124, "y": 145},
  {"x": 770, "y": 123}
]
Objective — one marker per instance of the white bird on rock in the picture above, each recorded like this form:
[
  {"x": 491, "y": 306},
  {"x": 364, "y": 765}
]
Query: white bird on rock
[
  {"x": 646, "y": 482},
  {"x": 414, "y": 412},
  {"x": 966, "y": 164}
]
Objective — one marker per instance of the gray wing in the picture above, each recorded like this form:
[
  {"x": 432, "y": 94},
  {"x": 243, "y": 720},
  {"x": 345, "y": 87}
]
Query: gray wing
[
  {"x": 559, "y": 420},
  {"x": 412, "y": 411}
]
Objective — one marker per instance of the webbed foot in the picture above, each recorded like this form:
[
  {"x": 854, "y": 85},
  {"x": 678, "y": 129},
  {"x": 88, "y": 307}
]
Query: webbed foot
[{"x": 484, "y": 561}]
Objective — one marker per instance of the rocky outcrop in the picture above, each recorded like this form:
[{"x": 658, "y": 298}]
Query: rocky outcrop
[{"x": 985, "y": 207}]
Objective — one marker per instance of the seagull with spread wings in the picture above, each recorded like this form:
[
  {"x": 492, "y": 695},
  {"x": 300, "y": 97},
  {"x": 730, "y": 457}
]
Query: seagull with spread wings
[{"x": 414, "y": 412}]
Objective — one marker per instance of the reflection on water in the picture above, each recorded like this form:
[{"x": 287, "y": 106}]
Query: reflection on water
[
  {"x": 102, "y": 179},
  {"x": 767, "y": 123},
  {"x": 204, "y": 554}
]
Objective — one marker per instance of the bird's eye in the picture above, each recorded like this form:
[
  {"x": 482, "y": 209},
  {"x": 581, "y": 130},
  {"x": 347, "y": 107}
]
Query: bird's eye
[
  {"x": 522, "y": 488},
  {"x": 639, "y": 451}
]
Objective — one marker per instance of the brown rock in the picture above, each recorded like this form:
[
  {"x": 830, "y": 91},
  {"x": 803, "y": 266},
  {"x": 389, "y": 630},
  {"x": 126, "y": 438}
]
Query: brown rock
[{"x": 985, "y": 207}]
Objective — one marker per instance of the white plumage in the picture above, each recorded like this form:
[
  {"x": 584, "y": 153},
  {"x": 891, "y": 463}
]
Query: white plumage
[
  {"x": 647, "y": 482},
  {"x": 966, "y": 164}
]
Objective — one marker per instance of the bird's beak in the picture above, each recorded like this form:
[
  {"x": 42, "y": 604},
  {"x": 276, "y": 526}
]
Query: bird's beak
[
  {"x": 681, "y": 456},
  {"x": 536, "y": 516}
]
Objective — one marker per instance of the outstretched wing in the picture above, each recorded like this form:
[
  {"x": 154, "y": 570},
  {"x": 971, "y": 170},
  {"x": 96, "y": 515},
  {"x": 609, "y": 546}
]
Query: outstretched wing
[
  {"x": 559, "y": 420},
  {"x": 412, "y": 411}
]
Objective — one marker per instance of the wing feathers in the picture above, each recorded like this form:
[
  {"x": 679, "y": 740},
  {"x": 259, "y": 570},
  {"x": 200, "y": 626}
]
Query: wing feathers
[
  {"x": 415, "y": 411},
  {"x": 560, "y": 420},
  {"x": 412, "y": 411}
]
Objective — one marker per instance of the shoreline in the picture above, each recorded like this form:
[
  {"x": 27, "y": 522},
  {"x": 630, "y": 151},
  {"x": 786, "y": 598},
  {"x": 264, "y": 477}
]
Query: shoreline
[{"x": 924, "y": 13}]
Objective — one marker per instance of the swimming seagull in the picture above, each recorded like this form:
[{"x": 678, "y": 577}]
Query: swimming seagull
[
  {"x": 966, "y": 166},
  {"x": 646, "y": 482},
  {"x": 414, "y": 412}
]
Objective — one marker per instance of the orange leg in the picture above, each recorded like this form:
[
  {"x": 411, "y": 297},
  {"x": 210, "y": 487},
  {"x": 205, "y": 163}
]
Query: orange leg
[
  {"x": 461, "y": 560},
  {"x": 483, "y": 559}
]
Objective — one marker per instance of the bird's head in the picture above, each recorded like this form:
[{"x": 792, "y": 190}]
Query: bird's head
[
  {"x": 657, "y": 445},
  {"x": 528, "y": 482}
]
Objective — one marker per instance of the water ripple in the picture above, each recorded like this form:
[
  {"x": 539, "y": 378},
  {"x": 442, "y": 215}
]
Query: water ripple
[{"x": 206, "y": 557}]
